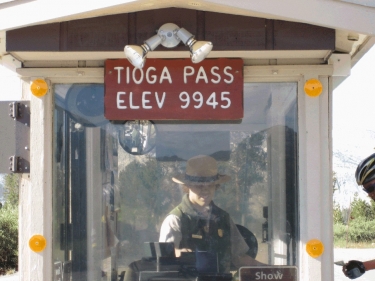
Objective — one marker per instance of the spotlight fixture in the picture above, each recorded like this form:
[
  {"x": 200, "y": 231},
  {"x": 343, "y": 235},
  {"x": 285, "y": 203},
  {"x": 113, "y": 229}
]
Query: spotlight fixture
[
  {"x": 169, "y": 35},
  {"x": 198, "y": 49}
]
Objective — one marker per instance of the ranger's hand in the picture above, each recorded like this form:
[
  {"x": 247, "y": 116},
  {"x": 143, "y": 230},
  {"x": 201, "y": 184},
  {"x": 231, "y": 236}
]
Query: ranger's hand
[{"x": 354, "y": 269}]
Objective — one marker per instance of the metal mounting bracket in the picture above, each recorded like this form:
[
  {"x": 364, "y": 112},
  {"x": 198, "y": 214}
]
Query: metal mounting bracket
[
  {"x": 17, "y": 111},
  {"x": 18, "y": 165},
  {"x": 15, "y": 137}
]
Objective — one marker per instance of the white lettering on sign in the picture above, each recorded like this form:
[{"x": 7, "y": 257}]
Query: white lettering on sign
[
  {"x": 215, "y": 74},
  {"x": 201, "y": 75},
  {"x": 145, "y": 100},
  {"x": 269, "y": 276},
  {"x": 184, "y": 97},
  {"x": 165, "y": 75},
  {"x": 228, "y": 74},
  {"x": 174, "y": 90},
  {"x": 138, "y": 78},
  {"x": 188, "y": 73},
  {"x": 132, "y": 106},
  {"x": 224, "y": 98},
  {"x": 198, "y": 97},
  {"x": 153, "y": 81},
  {"x": 119, "y": 68},
  {"x": 127, "y": 75},
  {"x": 211, "y": 100},
  {"x": 160, "y": 102},
  {"x": 137, "y": 75},
  {"x": 139, "y": 81},
  {"x": 120, "y": 100}
]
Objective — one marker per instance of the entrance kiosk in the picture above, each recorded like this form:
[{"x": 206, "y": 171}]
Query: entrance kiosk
[{"x": 109, "y": 129}]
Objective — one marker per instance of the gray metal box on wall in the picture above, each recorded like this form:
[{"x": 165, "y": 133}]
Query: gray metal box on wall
[{"x": 15, "y": 137}]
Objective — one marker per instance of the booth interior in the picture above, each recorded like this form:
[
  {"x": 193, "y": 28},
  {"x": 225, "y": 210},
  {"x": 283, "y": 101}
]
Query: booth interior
[{"x": 113, "y": 183}]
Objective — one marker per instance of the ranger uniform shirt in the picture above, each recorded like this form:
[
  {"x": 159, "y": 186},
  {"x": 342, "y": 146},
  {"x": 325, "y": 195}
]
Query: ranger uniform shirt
[{"x": 187, "y": 228}]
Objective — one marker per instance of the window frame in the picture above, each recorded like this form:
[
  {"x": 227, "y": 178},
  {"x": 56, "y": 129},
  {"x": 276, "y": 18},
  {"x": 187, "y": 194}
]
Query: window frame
[{"x": 315, "y": 148}]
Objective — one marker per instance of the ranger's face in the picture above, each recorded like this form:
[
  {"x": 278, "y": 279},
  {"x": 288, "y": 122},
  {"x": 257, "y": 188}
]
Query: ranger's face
[{"x": 201, "y": 195}]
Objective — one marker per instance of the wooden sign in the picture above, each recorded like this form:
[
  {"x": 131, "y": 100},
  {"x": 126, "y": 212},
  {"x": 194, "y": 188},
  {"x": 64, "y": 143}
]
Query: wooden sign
[
  {"x": 174, "y": 89},
  {"x": 275, "y": 272}
]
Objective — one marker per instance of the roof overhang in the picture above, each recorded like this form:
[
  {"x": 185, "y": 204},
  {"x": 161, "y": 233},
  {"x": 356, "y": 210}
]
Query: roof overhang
[
  {"x": 71, "y": 59},
  {"x": 331, "y": 13},
  {"x": 349, "y": 20}
]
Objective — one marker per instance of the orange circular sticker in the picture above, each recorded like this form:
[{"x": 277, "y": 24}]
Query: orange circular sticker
[
  {"x": 37, "y": 243},
  {"x": 39, "y": 88},
  {"x": 313, "y": 87},
  {"x": 314, "y": 248}
]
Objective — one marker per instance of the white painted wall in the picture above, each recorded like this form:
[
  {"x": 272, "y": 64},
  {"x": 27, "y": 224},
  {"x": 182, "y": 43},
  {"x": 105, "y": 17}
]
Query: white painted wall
[{"x": 35, "y": 208}]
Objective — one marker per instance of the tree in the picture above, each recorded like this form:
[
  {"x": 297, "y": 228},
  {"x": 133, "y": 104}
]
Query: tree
[
  {"x": 8, "y": 238},
  {"x": 11, "y": 189},
  {"x": 9, "y": 224},
  {"x": 147, "y": 191},
  {"x": 337, "y": 214},
  {"x": 335, "y": 182},
  {"x": 247, "y": 167},
  {"x": 147, "y": 196},
  {"x": 361, "y": 210}
]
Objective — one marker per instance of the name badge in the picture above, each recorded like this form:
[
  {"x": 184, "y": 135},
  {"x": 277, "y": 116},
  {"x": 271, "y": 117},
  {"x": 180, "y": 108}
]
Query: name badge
[{"x": 196, "y": 236}]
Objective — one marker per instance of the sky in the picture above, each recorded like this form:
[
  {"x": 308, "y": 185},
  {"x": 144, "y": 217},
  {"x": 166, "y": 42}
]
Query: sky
[
  {"x": 10, "y": 85},
  {"x": 353, "y": 127},
  {"x": 354, "y": 109}
]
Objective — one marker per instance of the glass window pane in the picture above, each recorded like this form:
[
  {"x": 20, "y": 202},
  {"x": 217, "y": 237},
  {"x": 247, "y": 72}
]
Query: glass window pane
[{"x": 114, "y": 187}]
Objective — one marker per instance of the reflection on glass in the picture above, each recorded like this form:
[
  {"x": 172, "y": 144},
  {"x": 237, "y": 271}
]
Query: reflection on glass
[
  {"x": 83, "y": 102},
  {"x": 112, "y": 191},
  {"x": 137, "y": 137},
  {"x": 2, "y": 189}
]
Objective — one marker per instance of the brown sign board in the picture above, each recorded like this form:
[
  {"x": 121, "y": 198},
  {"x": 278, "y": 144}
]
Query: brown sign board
[
  {"x": 265, "y": 273},
  {"x": 174, "y": 89}
]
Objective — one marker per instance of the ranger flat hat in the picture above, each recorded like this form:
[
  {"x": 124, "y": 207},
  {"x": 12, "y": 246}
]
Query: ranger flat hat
[{"x": 201, "y": 170}]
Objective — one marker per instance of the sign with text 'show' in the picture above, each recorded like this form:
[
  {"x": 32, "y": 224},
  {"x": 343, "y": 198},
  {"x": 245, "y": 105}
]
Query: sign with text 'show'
[
  {"x": 273, "y": 272},
  {"x": 174, "y": 89}
]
